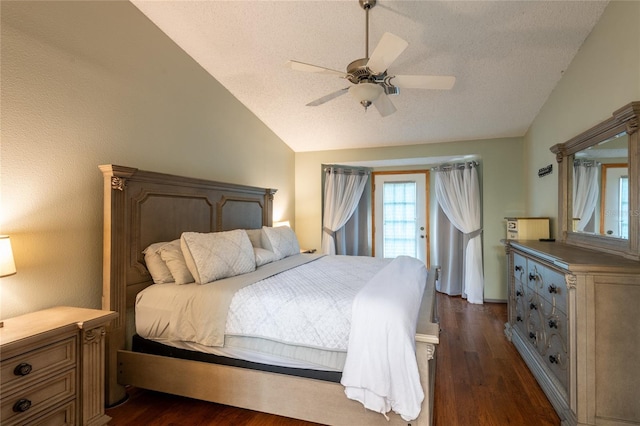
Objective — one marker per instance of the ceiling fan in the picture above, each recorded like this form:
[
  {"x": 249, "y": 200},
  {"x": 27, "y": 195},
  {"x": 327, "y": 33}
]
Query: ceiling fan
[{"x": 370, "y": 78}]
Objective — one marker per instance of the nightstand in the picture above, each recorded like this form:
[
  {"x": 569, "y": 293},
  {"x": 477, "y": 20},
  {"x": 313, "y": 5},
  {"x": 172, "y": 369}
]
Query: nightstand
[{"x": 52, "y": 367}]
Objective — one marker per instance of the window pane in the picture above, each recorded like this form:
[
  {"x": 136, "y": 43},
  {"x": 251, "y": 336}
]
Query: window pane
[
  {"x": 624, "y": 207},
  {"x": 399, "y": 219}
]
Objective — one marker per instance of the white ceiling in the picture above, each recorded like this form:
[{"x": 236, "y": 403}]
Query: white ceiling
[{"x": 507, "y": 57}]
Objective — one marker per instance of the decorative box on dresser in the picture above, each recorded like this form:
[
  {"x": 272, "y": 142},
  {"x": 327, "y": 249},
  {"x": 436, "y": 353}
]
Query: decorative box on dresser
[
  {"x": 52, "y": 366},
  {"x": 527, "y": 228},
  {"x": 574, "y": 316}
]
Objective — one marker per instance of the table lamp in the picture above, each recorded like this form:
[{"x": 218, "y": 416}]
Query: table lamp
[{"x": 7, "y": 264}]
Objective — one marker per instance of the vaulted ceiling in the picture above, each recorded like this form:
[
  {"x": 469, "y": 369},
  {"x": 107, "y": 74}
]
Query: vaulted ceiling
[{"x": 507, "y": 57}]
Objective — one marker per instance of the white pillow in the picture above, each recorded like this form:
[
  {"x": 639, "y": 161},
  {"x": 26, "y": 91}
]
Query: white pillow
[
  {"x": 171, "y": 253},
  {"x": 281, "y": 240},
  {"x": 217, "y": 255},
  {"x": 263, "y": 256},
  {"x": 155, "y": 265},
  {"x": 255, "y": 236}
]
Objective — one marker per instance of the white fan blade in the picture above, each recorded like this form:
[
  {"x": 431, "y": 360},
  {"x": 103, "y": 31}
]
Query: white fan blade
[
  {"x": 388, "y": 49},
  {"x": 438, "y": 82},
  {"x": 384, "y": 105},
  {"x": 328, "y": 97},
  {"x": 301, "y": 66}
]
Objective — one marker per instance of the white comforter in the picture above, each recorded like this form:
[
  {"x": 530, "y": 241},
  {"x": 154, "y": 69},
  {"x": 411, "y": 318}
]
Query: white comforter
[
  {"x": 372, "y": 315},
  {"x": 381, "y": 370},
  {"x": 309, "y": 305}
]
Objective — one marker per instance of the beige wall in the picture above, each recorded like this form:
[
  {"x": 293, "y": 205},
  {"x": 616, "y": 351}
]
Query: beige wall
[
  {"x": 501, "y": 180},
  {"x": 89, "y": 83},
  {"x": 604, "y": 76}
]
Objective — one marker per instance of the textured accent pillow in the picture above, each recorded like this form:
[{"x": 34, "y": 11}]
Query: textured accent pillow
[
  {"x": 263, "y": 256},
  {"x": 255, "y": 236},
  {"x": 155, "y": 265},
  {"x": 171, "y": 253},
  {"x": 216, "y": 255},
  {"x": 281, "y": 240}
]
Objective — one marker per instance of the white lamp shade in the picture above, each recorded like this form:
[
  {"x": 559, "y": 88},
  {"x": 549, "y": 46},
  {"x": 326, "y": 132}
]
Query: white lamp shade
[
  {"x": 7, "y": 264},
  {"x": 366, "y": 92}
]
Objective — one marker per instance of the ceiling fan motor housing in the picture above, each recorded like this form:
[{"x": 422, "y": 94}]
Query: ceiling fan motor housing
[{"x": 357, "y": 72}]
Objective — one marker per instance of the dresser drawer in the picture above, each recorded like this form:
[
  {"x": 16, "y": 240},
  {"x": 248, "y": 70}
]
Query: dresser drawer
[
  {"x": 59, "y": 416},
  {"x": 556, "y": 358},
  {"x": 554, "y": 289},
  {"x": 22, "y": 406},
  {"x": 548, "y": 284},
  {"x": 535, "y": 331},
  {"x": 31, "y": 366},
  {"x": 519, "y": 268},
  {"x": 557, "y": 324}
]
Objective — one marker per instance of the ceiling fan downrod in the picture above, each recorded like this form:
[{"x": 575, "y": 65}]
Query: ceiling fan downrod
[{"x": 367, "y": 5}]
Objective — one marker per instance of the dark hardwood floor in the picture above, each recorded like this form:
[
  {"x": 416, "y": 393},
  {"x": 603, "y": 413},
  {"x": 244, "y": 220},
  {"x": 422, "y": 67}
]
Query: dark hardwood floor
[{"x": 481, "y": 380}]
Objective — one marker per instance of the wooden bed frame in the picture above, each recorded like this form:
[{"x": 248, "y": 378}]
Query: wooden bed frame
[{"x": 143, "y": 207}]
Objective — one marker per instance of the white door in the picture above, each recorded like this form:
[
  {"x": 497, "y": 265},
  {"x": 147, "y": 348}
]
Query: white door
[{"x": 400, "y": 215}]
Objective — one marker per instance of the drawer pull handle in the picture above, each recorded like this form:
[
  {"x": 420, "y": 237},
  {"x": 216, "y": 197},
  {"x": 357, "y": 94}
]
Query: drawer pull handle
[
  {"x": 554, "y": 359},
  {"x": 553, "y": 289},
  {"x": 22, "y": 369},
  {"x": 553, "y": 324},
  {"x": 518, "y": 293},
  {"x": 533, "y": 306},
  {"x": 518, "y": 268},
  {"x": 21, "y": 405},
  {"x": 532, "y": 277},
  {"x": 532, "y": 335}
]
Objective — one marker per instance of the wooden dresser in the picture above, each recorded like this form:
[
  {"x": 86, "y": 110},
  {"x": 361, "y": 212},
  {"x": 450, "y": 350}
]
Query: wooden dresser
[
  {"x": 52, "y": 367},
  {"x": 574, "y": 316}
]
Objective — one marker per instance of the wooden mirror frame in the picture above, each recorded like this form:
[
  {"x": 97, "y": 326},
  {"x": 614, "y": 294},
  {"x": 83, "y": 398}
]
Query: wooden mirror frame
[{"x": 624, "y": 119}]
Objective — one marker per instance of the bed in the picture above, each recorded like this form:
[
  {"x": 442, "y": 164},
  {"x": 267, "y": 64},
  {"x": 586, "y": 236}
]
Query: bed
[{"x": 142, "y": 208}]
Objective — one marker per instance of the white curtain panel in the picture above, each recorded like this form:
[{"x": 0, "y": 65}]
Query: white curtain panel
[
  {"x": 585, "y": 192},
  {"x": 458, "y": 194},
  {"x": 342, "y": 192}
]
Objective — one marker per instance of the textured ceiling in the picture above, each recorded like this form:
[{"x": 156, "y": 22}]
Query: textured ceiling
[{"x": 507, "y": 57}]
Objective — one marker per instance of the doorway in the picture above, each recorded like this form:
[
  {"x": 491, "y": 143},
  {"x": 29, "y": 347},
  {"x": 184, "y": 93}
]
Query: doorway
[{"x": 400, "y": 201}]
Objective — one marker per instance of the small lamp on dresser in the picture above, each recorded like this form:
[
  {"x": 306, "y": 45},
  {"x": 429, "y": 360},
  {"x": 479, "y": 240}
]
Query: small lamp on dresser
[{"x": 7, "y": 264}]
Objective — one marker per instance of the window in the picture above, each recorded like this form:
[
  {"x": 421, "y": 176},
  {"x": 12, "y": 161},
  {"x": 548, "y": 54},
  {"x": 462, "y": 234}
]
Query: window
[
  {"x": 624, "y": 207},
  {"x": 400, "y": 219}
]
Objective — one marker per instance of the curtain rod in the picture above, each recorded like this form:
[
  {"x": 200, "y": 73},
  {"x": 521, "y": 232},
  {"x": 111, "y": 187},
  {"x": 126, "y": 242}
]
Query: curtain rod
[
  {"x": 586, "y": 163},
  {"x": 347, "y": 170},
  {"x": 459, "y": 166}
]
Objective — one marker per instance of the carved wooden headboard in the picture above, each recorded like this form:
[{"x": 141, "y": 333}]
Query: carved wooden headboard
[{"x": 141, "y": 208}]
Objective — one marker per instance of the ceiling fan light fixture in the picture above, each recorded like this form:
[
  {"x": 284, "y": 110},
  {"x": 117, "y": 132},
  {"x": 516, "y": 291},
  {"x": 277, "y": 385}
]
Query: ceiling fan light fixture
[{"x": 366, "y": 93}]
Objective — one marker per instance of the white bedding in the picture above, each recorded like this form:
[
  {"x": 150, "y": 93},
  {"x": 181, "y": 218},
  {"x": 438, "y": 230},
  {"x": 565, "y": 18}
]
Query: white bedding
[
  {"x": 371, "y": 311},
  {"x": 381, "y": 370},
  {"x": 307, "y": 328},
  {"x": 309, "y": 305}
]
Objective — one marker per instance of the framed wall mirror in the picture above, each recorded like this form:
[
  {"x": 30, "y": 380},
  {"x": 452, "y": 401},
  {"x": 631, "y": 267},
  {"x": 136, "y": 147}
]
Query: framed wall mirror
[{"x": 599, "y": 188}]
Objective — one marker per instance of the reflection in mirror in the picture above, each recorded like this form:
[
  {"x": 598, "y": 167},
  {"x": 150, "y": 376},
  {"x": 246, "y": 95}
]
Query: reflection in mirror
[
  {"x": 600, "y": 191},
  {"x": 614, "y": 204},
  {"x": 613, "y": 225}
]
